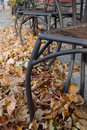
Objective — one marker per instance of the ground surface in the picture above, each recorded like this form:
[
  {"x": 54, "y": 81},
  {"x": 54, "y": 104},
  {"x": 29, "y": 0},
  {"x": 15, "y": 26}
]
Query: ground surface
[
  {"x": 52, "y": 107},
  {"x": 6, "y": 20}
]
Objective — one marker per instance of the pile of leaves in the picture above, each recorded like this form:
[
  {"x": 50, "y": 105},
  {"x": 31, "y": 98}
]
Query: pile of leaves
[
  {"x": 13, "y": 63},
  {"x": 53, "y": 109}
]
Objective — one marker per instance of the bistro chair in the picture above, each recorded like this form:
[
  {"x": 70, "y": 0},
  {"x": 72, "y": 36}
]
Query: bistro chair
[
  {"x": 74, "y": 35},
  {"x": 42, "y": 11},
  {"x": 25, "y": 5},
  {"x": 45, "y": 11}
]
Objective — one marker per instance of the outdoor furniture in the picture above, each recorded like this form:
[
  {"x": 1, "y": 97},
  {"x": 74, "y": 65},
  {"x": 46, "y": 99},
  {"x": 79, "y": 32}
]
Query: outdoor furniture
[
  {"x": 45, "y": 15},
  {"x": 74, "y": 35},
  {"x": 41, "y": 11},
  {"x": 25, "y": 5}
]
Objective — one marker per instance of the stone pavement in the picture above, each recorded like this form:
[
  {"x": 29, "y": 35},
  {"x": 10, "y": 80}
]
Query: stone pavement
[{"x": 6, "y": 20}]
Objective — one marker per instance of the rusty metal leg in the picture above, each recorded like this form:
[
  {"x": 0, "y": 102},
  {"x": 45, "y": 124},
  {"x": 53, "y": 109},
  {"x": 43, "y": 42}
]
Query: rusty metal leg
[
  {"x": 28, "y": 79},
  {"x": 82, "y": 76},
  {"x": 70, "y": 71}
]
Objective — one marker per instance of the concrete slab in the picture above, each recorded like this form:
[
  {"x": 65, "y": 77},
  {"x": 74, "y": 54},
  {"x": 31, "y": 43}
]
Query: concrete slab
[{"x": 5, "y": 18}]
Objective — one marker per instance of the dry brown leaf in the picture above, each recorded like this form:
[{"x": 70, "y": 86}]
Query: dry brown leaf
[
  {"x": 57, "y": 105},
  {"x": 75, "y": 70},
  {"x": 4, "y": 119},
  {"x": 34, "y": 125},
  {"x": 80, "y": 100},
  {"x": 83, "y": 122},
  {"x": 52, "y": 115},
  {"x": 75, "y": 98},
  {"x": 83, "y": 128},
  {"x": 73, "y": 89},
  {"x": 78, "y": 125},
  {"x": 21, "y": 113},
  {"x": 68, "y": 123},
  {"x": 79, "y": 112},
  {"x": 10, "y": 104},
  {"x": 47, "y": 97},
  {"x": 64, "y": 113},
  {"x": 18, "y": 127},
  {"x": 40, "y": 113},
  {"x": 74, "y": 118}
]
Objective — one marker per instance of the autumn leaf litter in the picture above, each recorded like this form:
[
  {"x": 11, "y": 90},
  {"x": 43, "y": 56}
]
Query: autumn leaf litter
[{"x": 53, "y": 109}]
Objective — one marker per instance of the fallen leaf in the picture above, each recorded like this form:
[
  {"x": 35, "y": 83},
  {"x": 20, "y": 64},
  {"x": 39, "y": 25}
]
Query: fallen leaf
[
  {"x": 34, "y": 125},
  {"x": 21, "y": 113},
  {"x": 74, "y": 118},
  {"x": 83, "y": 122},
  {"x": 75, "y": 70},
  {"x": 4, "y": 119},
  {"x": 73, "y": 89},
  {"x": 79, "y": 112},
  {"x": 52, "y": 115},
  {"x": 40, "y": 113},
  {"x": 18, "y": 127},
  {"x": 10, "y": 61},
  {"x": 11, "y": 103},
  {"x": 51, "y": 127}
]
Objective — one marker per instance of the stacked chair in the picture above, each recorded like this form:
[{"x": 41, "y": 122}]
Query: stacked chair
[
  {"x": 75, "y": 35},
  {"x": 42, "y": 11},
  {"x": 25, "y": 5},
  {"x": 35, "y": 10}
]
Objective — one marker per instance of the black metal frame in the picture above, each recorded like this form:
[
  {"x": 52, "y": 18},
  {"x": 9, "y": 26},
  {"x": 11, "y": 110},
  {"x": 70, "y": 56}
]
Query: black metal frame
[
  {"x": 47, "y": 15},
  {"x": 37, "y": 51},
  {"x": 37, "y": 15},
  {"x": 26, "y": 5},
  {"x": 35, "y": 59}
]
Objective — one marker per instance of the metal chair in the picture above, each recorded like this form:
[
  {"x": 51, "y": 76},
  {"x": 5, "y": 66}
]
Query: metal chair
[
  {"x": 39, "y": 11},
  {"x": 73, "y": 35},
  {"x": 45, "y": 15},
  {"x": 25, "y": 5}
]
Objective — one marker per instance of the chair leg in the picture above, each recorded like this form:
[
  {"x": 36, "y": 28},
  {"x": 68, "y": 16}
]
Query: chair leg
[
  {"x": 58, "y": 49},
  {"x": 37, "y": 23},
  {"x": 16, "y": 24},
  {"x": 49, "y": 20},
  {"x": 28, "y": 79},
  {"x": 81, "y": 10},
  {"x": 34, "y": 19},
  {"x": 44, "y": 47},
  {"x": 82, "y": 76},
  {"x": 20, "y": 29},
  {"x": 70, "y": 71},
  {"x": 55, "y": 19}
]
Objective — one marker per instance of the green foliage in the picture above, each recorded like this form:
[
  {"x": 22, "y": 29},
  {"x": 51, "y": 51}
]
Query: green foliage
[
  {"x": 16, "y": 1},
  {"x": 9, "y": 2},
  {"x": 19, "y": 1}
]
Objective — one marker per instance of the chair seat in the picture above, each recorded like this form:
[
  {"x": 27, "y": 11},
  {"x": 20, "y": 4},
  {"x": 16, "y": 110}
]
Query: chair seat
[
  {"x": 39, "y": 12},
  {"x": 73, "y": 34}
]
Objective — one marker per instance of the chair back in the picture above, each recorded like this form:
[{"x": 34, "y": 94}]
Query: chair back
[{"x": 45, "y": 5}]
